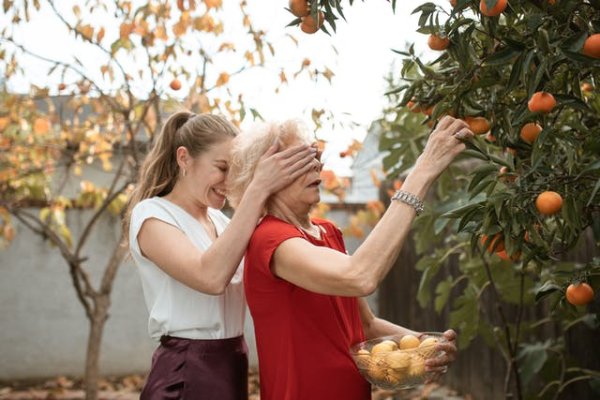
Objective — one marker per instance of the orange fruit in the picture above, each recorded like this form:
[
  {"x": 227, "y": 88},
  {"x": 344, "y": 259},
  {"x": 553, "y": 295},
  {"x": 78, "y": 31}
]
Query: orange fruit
[
  {"x": 548, "y": 203},
  {"x": 530, "y": 132},
  {"x": 310, "y": 25},
  {"x": 496, "y": 244},
  {"x": 61, "y": 86},
  {"x": 414, "y": 107},
  {"x": 495, "y": 11},
  {"x": 436, "y": 42},
  {"x": 478, "y": 125},
  {"x": 175, "y": 84},
  {"x": 579, "y": 294},
  {"x": 300, "y": 8},
  {"x": 453, "y": 3},
  {"x": 409, "y": 342},
  {"x": 591, "y": 46},
  {"x": 490, "y": 138},
  {"x": 542, "y": 102},
  {"x": 586, "y": 87},
  {"x": 428, "y": 111},
  {"x": 504, "y": 256}
]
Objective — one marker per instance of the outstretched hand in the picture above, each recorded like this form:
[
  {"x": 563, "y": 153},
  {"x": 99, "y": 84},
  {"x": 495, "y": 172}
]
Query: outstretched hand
[
  {"x": 439, "y": 365},
  {"x": 278, "y": 169},
  {"x": 444, "y": 144}
]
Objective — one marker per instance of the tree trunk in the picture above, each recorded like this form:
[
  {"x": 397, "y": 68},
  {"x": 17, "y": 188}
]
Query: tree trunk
[{"x": 92, "y": 362}]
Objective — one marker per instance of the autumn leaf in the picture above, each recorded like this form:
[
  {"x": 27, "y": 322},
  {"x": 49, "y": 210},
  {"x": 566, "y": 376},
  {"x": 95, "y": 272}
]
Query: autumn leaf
[
  {"x": 87, "y": 31},
  {"x": 227, "y": 46},
  {"x": 249, "y": 56},
  {"x": 282, "y": 77},
  {"x": 223, "y": 79},
  {"x": 125, "y": 30},
  {"x": 205, "y": 23},
  {"x": 328, "y": 74},
  {"x": 160, "y": 33},
  {"x": 41, "y": 126},
  {"x": 4, "y": 122},
  {"x": 213, "y": 3},
  {"x": 100, "y": 35}
]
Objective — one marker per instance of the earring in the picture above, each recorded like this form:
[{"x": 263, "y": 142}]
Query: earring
[{"x": 184, "y": 172}]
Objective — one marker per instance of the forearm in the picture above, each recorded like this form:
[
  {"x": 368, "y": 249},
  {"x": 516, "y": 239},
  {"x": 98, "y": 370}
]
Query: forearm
[
  {"x": 374, "y": 258},
  {"x": 225, "y": 254}
]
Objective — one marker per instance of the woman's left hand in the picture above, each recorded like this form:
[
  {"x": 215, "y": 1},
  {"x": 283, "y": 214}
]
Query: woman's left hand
[{"x": 438, "y": 365}]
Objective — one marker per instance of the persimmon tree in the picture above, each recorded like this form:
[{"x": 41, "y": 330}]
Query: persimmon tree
[
  {"x": 524, "y": 75},
  {"x": 124, "y": 66}
]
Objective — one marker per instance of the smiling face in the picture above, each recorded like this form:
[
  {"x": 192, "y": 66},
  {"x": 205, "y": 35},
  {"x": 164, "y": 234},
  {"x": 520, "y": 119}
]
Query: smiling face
[{"x": 206, "y": 174}]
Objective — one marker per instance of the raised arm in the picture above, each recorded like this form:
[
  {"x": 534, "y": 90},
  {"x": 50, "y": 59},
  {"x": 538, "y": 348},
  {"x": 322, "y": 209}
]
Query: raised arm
[
  {"x": 211, "y": 271},
  {"x": 327, "y": 271}
]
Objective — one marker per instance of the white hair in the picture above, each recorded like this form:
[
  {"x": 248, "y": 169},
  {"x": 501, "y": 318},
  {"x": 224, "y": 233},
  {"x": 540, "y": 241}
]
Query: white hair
[{"x": 249, "y": 147}]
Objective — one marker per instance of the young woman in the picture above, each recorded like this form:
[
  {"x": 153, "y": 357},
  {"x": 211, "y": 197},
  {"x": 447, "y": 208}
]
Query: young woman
[{"x": 189, "y": 253}]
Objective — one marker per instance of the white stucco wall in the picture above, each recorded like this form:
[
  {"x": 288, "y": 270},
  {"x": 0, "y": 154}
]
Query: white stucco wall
[{"x": 43, "y": 327}]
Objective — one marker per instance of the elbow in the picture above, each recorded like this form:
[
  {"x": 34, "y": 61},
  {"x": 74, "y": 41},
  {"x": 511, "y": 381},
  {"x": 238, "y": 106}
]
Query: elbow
[
  {"x": 362, "y": 285},
  {"x": 211, "y": 288},
  {"x": 367, "y": 287},
  {"x": 215, "y": 290},
  {"x": 361, "y": 279}
]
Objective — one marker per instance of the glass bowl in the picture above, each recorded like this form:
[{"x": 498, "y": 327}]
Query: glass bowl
[{"x": 396, "y": 362}]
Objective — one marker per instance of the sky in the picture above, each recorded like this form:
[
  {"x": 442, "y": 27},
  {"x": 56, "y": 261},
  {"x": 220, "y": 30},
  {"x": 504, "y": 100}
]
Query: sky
[{"x": 361, "y": 60}]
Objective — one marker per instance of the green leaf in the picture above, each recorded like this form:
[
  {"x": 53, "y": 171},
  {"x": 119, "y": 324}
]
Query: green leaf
[
  {"x": 546, "y": 289},
  {"x": 532, "y": 358},
  {"x": 442, "y": 291},
  {"x": 423, "y": 293},
  {"x": 502, "y": 56},
  {"x": 594, "y": 192}
]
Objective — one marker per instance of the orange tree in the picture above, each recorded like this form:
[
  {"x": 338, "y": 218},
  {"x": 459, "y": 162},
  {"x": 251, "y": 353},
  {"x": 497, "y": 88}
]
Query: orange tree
[
  {"x": 524, "y": 74},
  {"x": 530, "y": 191},
  {"x": 75, "y": 140}
]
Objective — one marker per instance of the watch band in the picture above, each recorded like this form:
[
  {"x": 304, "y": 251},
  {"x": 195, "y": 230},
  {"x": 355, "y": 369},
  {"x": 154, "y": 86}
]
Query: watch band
[{"x": 410, "y": 199}]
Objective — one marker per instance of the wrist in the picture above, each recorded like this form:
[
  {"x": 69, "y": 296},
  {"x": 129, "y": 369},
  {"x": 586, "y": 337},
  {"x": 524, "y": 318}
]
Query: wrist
[{"x": 256, "y": 193}]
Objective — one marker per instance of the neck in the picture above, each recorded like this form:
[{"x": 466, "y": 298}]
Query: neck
[
  {"x": 193, "y": 207},
  {"x": 296, "y": 216}
]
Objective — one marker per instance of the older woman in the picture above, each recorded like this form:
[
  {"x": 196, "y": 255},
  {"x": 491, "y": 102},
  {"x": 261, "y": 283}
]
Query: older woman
[{"x": 305, "y": 293}]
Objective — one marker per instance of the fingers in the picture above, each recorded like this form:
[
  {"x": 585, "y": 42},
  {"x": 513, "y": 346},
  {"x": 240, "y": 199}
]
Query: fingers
[
  {"x": 271, "y": 150},
  {"x": 463, "y": 134},
  {"x": 450, "y": 335},
  {"x": 300, "y": 168},
  {"x": 445, "y": 122},
  {"x": 296, "y": 150}
]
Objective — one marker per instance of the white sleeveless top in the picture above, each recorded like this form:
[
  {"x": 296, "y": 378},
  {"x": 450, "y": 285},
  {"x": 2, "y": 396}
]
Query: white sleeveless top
[{"x": 176, "y": 309}]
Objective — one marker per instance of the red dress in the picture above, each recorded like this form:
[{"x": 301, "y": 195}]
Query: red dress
[{"x": 302, "y": 337}]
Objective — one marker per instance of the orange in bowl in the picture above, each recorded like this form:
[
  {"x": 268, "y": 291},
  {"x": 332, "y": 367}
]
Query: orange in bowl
[{"x": 396, "y": 362}]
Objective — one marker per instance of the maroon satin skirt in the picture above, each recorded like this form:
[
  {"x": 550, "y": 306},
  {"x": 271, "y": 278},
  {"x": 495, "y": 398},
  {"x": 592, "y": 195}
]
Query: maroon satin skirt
[{"x": 198, "y": 369}]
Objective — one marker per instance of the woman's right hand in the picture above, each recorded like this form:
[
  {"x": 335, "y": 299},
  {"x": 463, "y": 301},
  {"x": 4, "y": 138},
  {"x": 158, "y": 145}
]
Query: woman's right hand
[
  {"x": 278, "y": 169},
  {"x": 443, "y": 145}
]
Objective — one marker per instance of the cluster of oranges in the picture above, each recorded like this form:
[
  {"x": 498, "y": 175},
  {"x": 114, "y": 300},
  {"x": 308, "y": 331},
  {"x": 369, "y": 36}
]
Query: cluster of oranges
[
  {"x": 309, "y": 23},
  {"x": 391, "y": 363}
]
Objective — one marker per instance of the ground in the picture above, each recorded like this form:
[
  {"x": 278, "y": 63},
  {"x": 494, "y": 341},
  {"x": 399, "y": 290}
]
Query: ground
[{"x": 128, "y": 388}]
